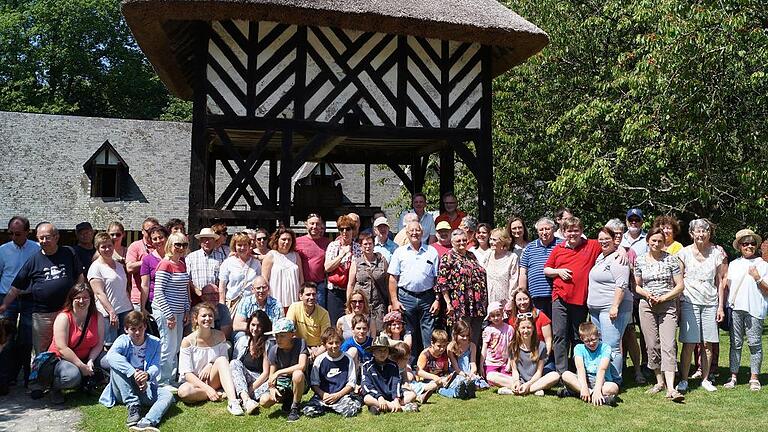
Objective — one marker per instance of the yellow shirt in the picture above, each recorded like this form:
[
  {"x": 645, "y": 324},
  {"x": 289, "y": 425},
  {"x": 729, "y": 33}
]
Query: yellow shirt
[
  {"x": 309, "y": 327},
  {"x": 674, "y": 248}
]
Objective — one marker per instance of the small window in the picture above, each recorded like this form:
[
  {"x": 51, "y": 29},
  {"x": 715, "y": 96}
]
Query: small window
[{"x": 105, "y": 169}]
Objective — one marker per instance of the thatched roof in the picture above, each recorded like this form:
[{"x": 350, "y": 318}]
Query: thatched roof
[{"x": 159, "y": 29}]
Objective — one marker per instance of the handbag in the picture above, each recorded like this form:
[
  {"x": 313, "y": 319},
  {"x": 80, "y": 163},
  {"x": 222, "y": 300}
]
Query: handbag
[
  {"x": 44, "y": 363},
  {"x": 340, "y": 276}
]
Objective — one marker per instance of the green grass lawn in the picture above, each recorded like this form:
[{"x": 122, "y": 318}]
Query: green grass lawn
[{"x": 725, "y": 410}]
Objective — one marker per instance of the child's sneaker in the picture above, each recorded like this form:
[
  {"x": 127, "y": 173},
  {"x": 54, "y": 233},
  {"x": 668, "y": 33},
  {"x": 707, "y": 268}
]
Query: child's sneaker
[
  {"x": 505, "y": 391},
  {"x": 411, "y": 407},
  {"x": 565, "y": 392},
  {"x": 682, "y": 386},
  {"x": 374, "y": 410},
  {"x": 294, "y": 414},
  {"x": 610, "y": 400},
  {"x": 539, "y": 393},
  {"x": 134, "y": 415},
  {"x": 143, "y": 425},
  {"x": 234, "y": 408},
  {"x": 250, "y": 406}
]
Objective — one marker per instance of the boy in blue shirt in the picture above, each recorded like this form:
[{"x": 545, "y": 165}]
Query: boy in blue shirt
[
  {"x": 356, "y": 345},
  {"x": 333, "y": 380},
  {"x": 382, "y": 387},
  {"x": 134, "y": 369},
  {"x": 593, "y": 380}
]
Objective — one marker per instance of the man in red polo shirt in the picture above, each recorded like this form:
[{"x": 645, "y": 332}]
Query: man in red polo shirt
[{"x": 569, "y": 265}]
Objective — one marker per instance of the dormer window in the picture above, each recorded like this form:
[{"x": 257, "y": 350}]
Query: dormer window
[{"x": 106, "y": 169}]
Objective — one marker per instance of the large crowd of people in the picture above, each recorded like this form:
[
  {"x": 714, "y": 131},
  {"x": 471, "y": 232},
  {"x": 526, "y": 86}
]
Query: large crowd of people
[{"x": 379, "y": 318}]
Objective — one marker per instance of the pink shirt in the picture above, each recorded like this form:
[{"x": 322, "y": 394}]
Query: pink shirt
[
  {"x": 496, "y": 341},
  {"x": 312, "y": 254},
  {"x": 136, "y": 252}
]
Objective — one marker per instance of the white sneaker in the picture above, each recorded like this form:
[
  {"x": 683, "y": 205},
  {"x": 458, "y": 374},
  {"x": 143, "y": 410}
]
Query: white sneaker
[
  {"x": 234, "y": 408},
  {"x": 708, "y": 386},
  {"x": 505, "y": 391},
  {"x": 539, "y": 393},
  {"x": 682, "y": 386},
  {"x": 250, "y": 406}
]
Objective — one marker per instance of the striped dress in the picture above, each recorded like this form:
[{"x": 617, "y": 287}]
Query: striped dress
[{"x": 171, "y": 288}]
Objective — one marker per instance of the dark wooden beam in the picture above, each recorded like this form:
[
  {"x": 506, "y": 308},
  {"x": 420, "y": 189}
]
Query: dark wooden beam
[
  {"x": 199, "y": 187},
  {"x": 286, "y": 173},
  {"x": 419, "y": 172},
  {"x": 447, "y": 173},
  {"x": 466, "y": 155},
  {"x": 367, "y": 180},
  {"x": 400, "y": 173},
  {"x": 274, "y": 184},
  {"x": 484, "y": 145},
  {"x": 246, "y": 170}
]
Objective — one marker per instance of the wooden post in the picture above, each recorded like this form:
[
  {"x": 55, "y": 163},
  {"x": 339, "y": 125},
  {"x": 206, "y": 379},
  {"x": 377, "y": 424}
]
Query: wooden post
[
  {"x": 200, "y": 188},
  {"x": 484, "y": 145},
  {"x": 367, "y": 185},
  {"x": 286, "y": 171},
  {"x": 447, "y": 173}
]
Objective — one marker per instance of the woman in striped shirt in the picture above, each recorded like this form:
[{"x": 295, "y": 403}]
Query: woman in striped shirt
[{"x": 170, "y": 306}]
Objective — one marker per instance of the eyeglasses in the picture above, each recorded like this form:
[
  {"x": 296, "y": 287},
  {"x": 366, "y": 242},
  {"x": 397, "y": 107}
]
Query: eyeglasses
[
  {"x": 181, "y": 245},
  {"x": 524, "y": 315},
  {"x": 342, "y": 229},
  {"x": 260, "y": 238},
  {"x": 745, "y": 244},
  {"x": 357, "y": 301}
]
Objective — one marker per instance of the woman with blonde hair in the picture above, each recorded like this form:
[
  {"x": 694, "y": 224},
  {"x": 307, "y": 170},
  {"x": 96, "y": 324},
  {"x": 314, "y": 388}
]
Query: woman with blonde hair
[
  {"x": 501, "y": 267},
  {"x": 170, "y": 306},
  {"x": 237, "y": 272}
]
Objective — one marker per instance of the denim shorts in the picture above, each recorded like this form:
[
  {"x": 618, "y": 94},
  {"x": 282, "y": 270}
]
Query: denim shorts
[{"x": 698, "y": 323}]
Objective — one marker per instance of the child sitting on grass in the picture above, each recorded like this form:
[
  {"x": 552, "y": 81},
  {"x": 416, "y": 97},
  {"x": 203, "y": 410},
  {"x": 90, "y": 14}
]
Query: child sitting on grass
[
  {"x": 496, "y": 338},
  {"x": 360, "y": 340},
  {"x": 134, "y": 368},
  {"x": 462, "y": 353},
  {"x": 593, "y": 381},
  {"x": 333, "y": 380},
  {"x": 527, "y": 356},
  {"x": 413, "y": 390},
  {"x": 381, "y": 384},
  {"x": 287, "y": 363},
  {"x": 433, "y": 366}
]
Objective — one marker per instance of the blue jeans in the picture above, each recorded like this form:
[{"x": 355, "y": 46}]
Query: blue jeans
[
  {"x": 611, "y": 332},
  {"x": 112, "y": 332},
  {"x": 126, "y": 391},
  {"x": 322, "y": 294},
  {"x": 418, "y": 320},
  {"x": 170, "y": 344}
]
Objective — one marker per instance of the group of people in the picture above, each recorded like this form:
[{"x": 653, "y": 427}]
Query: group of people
[{"x": 447, "y": 305}]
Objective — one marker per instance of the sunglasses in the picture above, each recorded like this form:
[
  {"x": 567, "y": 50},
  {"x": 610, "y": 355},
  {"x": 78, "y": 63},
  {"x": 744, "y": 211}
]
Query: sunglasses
[
  {"x": 115, "y": 234},
  {"x": 260, "y": 238},
  {"x": 356, "y": 301},
  {"x": 181, "y": 245},
  {"x": 525, "y": 315},
  {"x": 745, "y": 244},
  {"x": 342, "y": 229}
]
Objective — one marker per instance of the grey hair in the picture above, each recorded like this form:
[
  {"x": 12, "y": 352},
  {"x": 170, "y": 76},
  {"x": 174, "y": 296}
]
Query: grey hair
[
  {"x": 700, "y": 223},
  {"x": 457, "y": 232},
  {"x": 470, "y": 222},
  {"x": 544, "y": 220},
  {"x": 411, "y": 215},
  {"x": 616, "y": 224}
]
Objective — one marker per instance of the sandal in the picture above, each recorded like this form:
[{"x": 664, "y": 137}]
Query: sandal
[
  {"x": 676, "y": 396},
  {"x": 754, "y": 385},
  {"x": 655, "y": 389},
  {"x": 730, "y": 384}
]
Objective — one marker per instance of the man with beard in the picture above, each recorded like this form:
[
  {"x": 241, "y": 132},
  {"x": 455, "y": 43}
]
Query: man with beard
[{"x": 311, "y": 248}]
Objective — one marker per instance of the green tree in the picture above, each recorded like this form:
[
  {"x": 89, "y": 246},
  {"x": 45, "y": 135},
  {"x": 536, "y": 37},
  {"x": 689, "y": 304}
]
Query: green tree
[
  {"x": 74, "y": 57},
  {"x": 660, "y": 105}
]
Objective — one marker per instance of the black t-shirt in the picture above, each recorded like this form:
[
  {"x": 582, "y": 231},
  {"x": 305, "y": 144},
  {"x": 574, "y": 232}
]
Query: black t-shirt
[
  {"x": 48, "y": 278},
  {"x": 287, "y": 358},
  {"x": 85, "y": 256}
]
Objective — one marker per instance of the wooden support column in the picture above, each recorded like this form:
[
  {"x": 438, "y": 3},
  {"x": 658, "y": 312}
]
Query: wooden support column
[
  {"x": 419, "y": 173},
  {"x": 201, "y": 167},
  {"x": 484, "y": 144},
  {"x": 367, "y": 198},
  {"x": 447, "y": 173},
  {"x": 273, "y": 181},
  {"x": 286, "y": 172}
]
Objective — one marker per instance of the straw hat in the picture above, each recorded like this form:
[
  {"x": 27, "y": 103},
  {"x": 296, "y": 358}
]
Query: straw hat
[{"x": 746, "y": 233}]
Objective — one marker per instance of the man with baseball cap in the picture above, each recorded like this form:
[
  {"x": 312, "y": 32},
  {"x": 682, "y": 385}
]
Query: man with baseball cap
[
  {"x": 84, "y": 248},
  {"x": 634, "y": 238},
  {"x": 443, "y": 243},
  {"x": 381, "y": 242}
]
